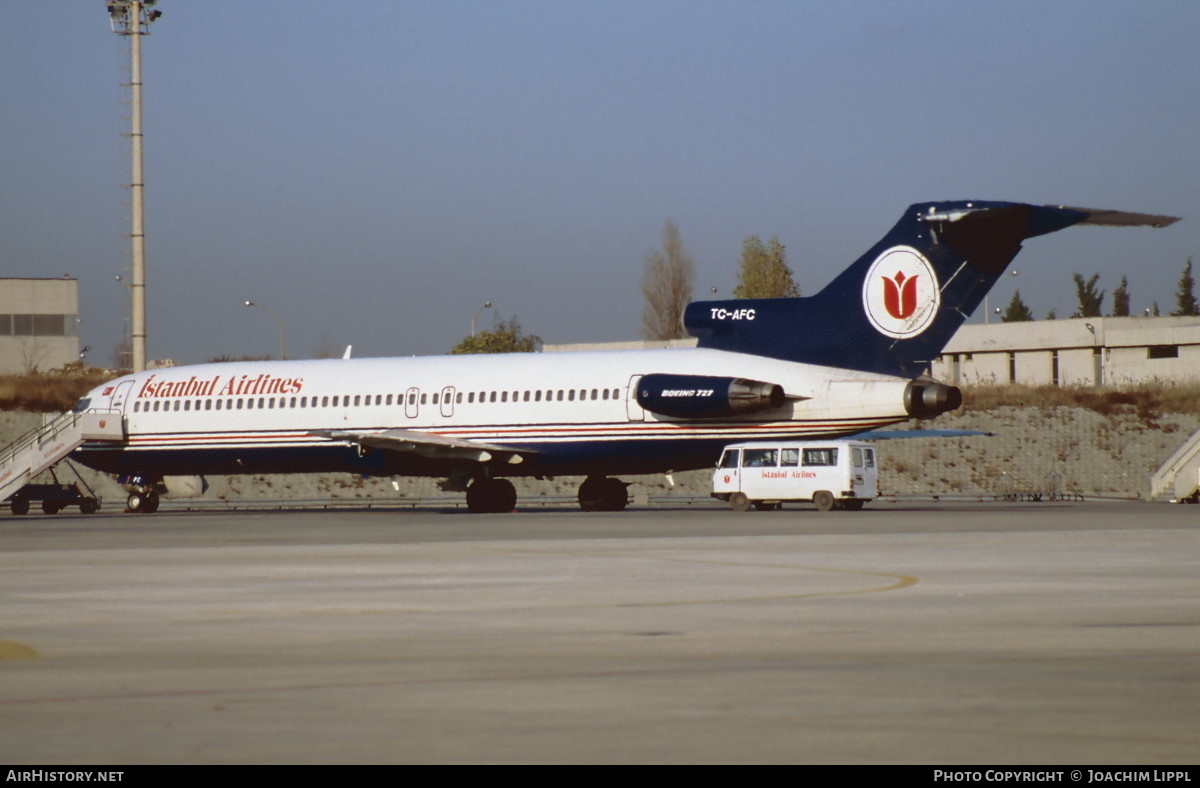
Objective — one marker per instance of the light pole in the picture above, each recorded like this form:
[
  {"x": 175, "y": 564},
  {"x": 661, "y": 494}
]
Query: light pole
[
  {"x": 279, "y": 320},
  {"x": 987, "y": 315},
  {"x": 132, "y": 18},
  {"x": 486, "y": 305}
]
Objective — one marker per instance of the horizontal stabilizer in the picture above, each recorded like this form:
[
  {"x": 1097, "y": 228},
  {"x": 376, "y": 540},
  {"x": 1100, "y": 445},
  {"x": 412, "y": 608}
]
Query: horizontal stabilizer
[{"x": 1121, "y": 218}]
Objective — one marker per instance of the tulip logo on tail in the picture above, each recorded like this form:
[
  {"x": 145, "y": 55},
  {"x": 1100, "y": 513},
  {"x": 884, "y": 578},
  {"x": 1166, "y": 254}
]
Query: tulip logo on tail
[{"x": 900, "y": 294}]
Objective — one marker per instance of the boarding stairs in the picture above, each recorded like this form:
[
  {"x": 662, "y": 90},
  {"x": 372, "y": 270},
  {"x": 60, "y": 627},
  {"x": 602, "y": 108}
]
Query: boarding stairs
[
  {"x": 1179, "y": 477},
  {"x": 49, "y": 444}
]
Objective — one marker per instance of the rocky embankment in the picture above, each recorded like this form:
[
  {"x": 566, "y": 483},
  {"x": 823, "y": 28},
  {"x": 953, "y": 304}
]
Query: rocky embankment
[{"x": 1069, "y": 450}]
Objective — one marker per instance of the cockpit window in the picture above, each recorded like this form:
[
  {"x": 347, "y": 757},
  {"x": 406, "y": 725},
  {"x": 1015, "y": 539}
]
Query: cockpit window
[{"x": 82, "y": 405}]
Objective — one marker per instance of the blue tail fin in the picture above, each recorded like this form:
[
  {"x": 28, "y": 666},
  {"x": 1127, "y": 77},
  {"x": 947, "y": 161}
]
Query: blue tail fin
[{"x": 897, "y": 306}]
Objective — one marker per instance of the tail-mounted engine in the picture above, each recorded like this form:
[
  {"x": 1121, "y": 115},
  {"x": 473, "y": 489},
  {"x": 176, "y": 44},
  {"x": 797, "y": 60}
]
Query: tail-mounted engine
[
  {"x": 924, "y": 398},
  {"x": 706, "y": 397}
]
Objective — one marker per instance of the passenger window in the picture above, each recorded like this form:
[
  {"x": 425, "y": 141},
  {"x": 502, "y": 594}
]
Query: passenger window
[
  {"x": 760, "y": 458},
  {"x": 869, "y": 457},
  {"x": 856, "y": 457},
  {"x": 435, "y": 399},
  {"x": 825, "y": 457},
  {"x": 730, "y": 458},
  {"x": 789, "y": 458}
]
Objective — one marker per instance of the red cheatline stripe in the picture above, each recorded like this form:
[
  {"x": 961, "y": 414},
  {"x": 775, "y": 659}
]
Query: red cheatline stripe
[{"x": 616, "y": 431}]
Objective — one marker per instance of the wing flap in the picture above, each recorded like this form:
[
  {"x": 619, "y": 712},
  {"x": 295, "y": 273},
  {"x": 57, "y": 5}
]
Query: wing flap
[{"x": 429, "y": 445}]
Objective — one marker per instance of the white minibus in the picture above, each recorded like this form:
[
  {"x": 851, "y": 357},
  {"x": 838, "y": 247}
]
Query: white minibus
[{"x": 837, "y": 474}]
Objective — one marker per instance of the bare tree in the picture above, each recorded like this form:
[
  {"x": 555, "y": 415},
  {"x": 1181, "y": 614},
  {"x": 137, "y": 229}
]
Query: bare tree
[{"x": 667, "y": 287}]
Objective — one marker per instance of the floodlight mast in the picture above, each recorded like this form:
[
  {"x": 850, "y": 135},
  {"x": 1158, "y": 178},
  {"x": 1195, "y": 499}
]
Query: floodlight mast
[{"x": 132, "y": 18}]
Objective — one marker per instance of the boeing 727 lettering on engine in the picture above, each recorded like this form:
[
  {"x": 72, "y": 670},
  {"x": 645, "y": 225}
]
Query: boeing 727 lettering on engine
[{"x": 848, "y": 360}]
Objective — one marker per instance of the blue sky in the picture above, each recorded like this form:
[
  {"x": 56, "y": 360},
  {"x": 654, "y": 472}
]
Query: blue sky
[{"x": 374, "y": 171}]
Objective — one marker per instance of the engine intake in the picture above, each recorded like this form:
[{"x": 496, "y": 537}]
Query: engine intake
[
  {"x": 706, "y": 396},
  {"x": 926, "y": 398}
]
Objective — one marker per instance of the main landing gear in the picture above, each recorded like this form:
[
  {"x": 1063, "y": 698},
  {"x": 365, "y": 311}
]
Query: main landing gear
[
  {"x": 496, "y": 496},
  {"x": 603, "y": 494},
  {"x": 491, "y": 496}
]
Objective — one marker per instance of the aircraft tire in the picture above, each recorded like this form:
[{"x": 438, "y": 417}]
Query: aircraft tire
[
  {"x": 491, "y": 496},
  {"x": 823, "y": 500},
  {"x": 603, "y": 494},
  {"x": 739, "y": 502},
  {"x": 142, "y": 503}
]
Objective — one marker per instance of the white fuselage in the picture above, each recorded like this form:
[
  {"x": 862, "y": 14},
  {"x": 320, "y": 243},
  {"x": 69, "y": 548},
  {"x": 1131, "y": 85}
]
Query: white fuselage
[{"x": 575, "y": 413}]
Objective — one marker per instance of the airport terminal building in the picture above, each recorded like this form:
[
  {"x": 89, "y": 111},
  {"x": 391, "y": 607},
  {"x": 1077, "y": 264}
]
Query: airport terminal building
[
  {"x": 39, "y": 324},
  {"x": 1083, "y": 351}
]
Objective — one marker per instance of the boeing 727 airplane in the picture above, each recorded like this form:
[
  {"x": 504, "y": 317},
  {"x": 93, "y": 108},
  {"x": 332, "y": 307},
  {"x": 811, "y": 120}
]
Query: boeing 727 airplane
[{"x": 850, "y": 359}]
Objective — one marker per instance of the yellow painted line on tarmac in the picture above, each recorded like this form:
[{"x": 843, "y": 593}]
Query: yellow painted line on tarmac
[
  {"x": 12, "y": 651},
  {"x": 901, "y": 581}
]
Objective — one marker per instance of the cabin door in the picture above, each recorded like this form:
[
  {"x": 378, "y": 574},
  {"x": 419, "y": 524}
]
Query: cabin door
[{"x": 632, "y": 409}]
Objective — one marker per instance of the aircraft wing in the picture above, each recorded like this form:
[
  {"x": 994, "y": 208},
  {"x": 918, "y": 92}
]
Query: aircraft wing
[
  {"x": 429, "y": 445},
  {"x": 883, "y": 435}
]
